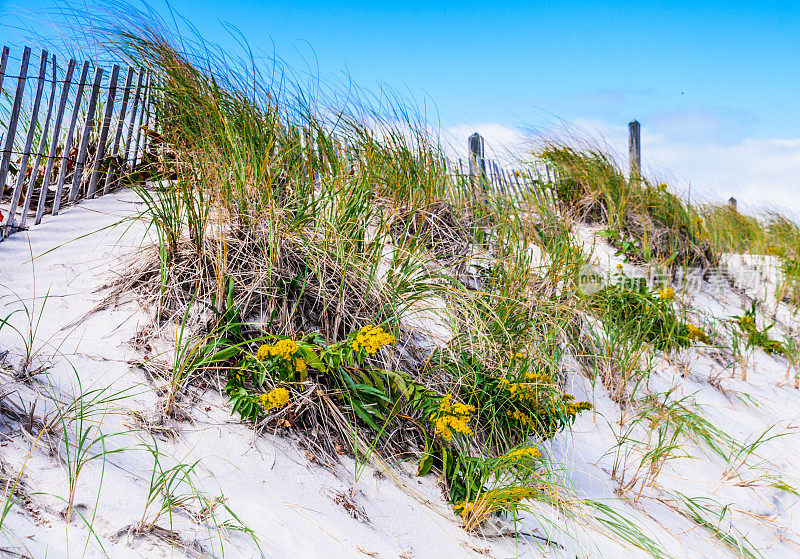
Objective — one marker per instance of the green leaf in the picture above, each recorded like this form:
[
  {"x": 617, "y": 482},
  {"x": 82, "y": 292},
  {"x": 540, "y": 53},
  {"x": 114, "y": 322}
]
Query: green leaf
[
  {"x": 311, "y": 358},
  {"x": 425, "y": 464}
]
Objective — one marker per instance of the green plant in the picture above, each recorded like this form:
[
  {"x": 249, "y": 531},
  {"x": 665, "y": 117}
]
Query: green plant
[
  {"x": 79, "y": 424},
  {"x": 758, "y": 337},
  {"x": 625, "y": 247},
  {"x": 632, "y": 308},
  {"x": 28, "y": 333}
]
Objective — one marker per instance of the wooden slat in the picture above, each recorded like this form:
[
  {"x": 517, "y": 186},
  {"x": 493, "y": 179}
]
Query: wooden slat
[
  {"x": 509, "y": 184},
  {"x": 520, "y": 185},
  {"x": 11, "y": 218},
  {"x": 11, "y": 131},
  {"x": 87, "y": 130},
  {"x": 70, "y": 135},
  {"x": 147, "y": 111},
  {"x": 120, "y": 125},
  {"x": 503, "y": 181},
  {"x": 40, "y": 149},
  {"x": 510, "y": 190},
  {"x": 3, "y": 62},
  {"x": 122, "y": 110},
  {"x": 140, "y": 121},
  {"x": 136, "y": 99},
  {"x": 101, "y": 141},
  {"x": 62, "y": 104},
  {"x": 145, "y": 104},
  {"x": 497, "y": 177}
]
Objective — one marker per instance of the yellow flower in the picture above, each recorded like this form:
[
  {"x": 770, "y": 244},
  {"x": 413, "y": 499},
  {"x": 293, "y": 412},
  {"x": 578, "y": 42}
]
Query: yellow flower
[
  {"x": 372, "y": 338},
  {"x": 451, "y": 418},
  {"x": 666, "y": 293},
  {"x": 536, "y": 377},
  {"x": 300, "y": 365},
  {"x": 284, "y": 349},
  {"x": 264, "y": 351},
  {"x": 523, "y": 453},
  {"x": 519, "y": 355},
  {"x": 619, "y": 267},
  {"x": 696, "y": 334},
  {"x": 274, "y": 399}
]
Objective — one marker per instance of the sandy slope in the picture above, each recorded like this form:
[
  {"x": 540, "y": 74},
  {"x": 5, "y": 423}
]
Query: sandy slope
[
  {"x": 299, "y": 508},
  {"x": 292, "y": 504}
]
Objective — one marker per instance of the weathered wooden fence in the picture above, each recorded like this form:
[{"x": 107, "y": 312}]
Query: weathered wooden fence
[
  {"x": 533, "y": 178},
  {"x": 71, "y": 131},
  {"x": 74, "y": 131},
  {"x": 481, "y": 174}
]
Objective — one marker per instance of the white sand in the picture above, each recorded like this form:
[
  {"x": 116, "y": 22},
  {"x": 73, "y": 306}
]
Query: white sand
[{"x": 293, "y": 504}]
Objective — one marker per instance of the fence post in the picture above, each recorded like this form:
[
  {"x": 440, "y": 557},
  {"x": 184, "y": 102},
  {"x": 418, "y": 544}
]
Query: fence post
[
  {"x": 77, "y": 179},
  {"x": 100, "y": 150},
  {"x": 477, "y": 163},
  {"x": 40, "y": 151},
  {"x": 129, "y": 139},
  {"x": 54, "y": 144},
  {"x": 12, "y": 125},
  {"x": 635, "y": 150},
  {"x": 62, "y": 172},
  {"x": 115, "y": 151},
  {"x": 26, "y": 151}
]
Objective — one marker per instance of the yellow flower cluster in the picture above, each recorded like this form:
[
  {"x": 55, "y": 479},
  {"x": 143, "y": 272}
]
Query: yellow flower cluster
[
  {"x": 284, "y": 349},
  {"x": 464, "y": 508},
  {"x": 666, "y": 293},
  {"x": 523, "y": 453},
  {"x": 774, "y": 251},
  {"x": 452, "y": 417},
  {"x": 274, "y": 399},
  {"x": 537, "y": 377},
  {"x": 747, "y": 322},
  {"x": 523, "y": 418},
  {"x": 372, "y": 338},
  {"x": 522, "y": 391},
  {"x": 519, "y": 355},
  {"x": 574, "y": 408},
  {"x": 696, "y": 334}
]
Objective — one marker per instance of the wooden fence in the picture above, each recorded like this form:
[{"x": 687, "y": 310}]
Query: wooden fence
[
  {"x": 72, "y": 131},
  {"x": 479, "y": 174},
  {"x": 533, "y": 178}
]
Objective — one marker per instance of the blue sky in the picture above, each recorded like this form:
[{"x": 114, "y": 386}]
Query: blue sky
[{"x": 714, "y": 84}]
